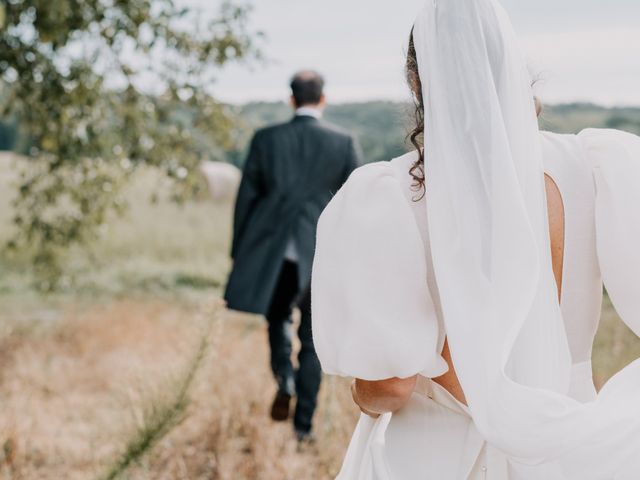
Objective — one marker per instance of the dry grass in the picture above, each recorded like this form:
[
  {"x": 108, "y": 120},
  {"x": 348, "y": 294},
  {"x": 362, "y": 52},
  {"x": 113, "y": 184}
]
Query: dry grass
[
  {"x": 73, "y": 392},
  {"x": 227, "y": 433},
  {"x": 99, "y": 392},
  {"x": 615, "y": 346}
]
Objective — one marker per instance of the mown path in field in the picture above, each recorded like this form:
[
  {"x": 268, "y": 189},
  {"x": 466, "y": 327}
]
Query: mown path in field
[{"x": 151, "y": 390}]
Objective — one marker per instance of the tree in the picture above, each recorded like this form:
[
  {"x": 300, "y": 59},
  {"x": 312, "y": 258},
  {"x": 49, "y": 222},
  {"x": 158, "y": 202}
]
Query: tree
[{"x": 99, "y": 87}]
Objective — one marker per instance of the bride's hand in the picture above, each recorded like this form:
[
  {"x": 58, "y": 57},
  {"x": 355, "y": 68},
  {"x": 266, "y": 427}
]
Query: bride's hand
[{"x": 384, "y": 396}]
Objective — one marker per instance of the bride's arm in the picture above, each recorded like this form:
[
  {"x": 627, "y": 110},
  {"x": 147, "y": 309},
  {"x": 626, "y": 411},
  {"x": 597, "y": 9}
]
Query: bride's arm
[
  {"x": 361, "y": 311},
  {"x": 384, "y": 396},
  {"x": 615, "y": 159}
]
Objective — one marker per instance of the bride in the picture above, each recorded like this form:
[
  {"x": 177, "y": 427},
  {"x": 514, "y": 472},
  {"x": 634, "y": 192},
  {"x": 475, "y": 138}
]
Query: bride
[{"x": 461, "y": 284}]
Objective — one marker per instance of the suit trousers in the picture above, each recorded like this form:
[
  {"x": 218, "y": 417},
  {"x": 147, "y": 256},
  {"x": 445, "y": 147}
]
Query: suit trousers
[{"x": 305, "y": 382}]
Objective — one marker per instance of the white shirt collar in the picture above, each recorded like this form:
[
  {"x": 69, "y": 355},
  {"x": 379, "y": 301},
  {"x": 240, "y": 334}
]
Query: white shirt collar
[{"x": 309, "y": 112}]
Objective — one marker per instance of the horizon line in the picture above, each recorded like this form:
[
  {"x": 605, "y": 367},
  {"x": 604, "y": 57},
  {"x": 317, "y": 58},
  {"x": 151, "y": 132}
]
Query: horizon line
[{"x": 603, "y": 105}]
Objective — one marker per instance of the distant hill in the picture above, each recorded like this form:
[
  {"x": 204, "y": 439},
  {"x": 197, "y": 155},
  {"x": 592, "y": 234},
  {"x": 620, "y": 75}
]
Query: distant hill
[
  {"x": 381, "y": 127},
  {"x": 572, "y": 118}
]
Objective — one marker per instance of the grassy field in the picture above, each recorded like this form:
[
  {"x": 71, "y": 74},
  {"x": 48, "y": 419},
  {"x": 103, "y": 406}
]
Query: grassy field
[{"x": 135, "y": 371}]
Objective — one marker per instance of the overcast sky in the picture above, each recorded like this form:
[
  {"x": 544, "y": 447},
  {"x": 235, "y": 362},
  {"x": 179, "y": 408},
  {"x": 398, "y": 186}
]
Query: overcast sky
[{"x": 583, "y": 50}]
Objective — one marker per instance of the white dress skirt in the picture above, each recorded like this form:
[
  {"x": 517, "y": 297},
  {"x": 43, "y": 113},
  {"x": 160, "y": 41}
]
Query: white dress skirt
[{"x": 368, "y": 325}]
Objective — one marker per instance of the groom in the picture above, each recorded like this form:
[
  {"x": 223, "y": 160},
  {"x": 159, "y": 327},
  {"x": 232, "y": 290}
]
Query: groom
[{"x": 289, "y": 177}]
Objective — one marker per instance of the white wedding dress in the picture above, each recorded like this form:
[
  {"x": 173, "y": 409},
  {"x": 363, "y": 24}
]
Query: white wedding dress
[{"x": 371, "y": 324}]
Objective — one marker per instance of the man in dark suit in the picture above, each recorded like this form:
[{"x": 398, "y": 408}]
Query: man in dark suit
[{"x": 290, "y": 175}]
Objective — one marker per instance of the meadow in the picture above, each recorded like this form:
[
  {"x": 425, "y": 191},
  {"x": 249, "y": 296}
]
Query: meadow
[{"x": 134, "y": 369}]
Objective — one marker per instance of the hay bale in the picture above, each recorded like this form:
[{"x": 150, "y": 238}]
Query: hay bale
[{"x": 223, "y": 179}]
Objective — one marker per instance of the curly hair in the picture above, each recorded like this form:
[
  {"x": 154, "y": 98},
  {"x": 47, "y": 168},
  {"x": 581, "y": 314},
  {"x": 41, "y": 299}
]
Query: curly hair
[{"x": 416, "y": 135}]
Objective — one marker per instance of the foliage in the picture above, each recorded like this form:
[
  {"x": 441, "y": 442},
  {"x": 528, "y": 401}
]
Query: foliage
[{"x": 101, "y": 86}]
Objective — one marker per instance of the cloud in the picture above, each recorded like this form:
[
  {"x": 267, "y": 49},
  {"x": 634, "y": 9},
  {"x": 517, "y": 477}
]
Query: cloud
[
  {"x": 585, "y": 49},
  {"x": 597, "y": 65}
]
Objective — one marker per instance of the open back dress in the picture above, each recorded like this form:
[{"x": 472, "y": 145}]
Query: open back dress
[{"x": 376, "y": 312}]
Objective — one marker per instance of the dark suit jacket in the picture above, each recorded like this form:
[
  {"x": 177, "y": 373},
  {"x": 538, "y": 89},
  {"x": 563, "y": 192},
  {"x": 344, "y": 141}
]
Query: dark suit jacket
[{"x": 290, "y": 175}]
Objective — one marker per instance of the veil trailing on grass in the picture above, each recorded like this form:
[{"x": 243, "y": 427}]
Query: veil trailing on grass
[{"x": 490, "y": 240}]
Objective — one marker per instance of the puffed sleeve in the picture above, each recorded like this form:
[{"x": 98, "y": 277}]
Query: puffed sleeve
[
  {"x": 615, "y": 159},
  {"x": 373, "y": 316}
]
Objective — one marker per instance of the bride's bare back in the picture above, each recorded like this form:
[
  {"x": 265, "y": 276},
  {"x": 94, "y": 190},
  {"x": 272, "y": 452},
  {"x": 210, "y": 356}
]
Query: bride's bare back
[{"x": 449, "y": 380}]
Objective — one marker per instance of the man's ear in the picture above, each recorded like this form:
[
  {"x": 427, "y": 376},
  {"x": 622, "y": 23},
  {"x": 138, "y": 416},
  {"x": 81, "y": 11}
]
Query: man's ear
[
  {"x": 292, "y": 102},
  {"x": 323, "y": 101}
]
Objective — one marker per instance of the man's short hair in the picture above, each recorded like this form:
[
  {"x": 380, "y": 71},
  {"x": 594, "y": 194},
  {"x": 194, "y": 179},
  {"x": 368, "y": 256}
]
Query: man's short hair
[{"x": 307, "y": 88}]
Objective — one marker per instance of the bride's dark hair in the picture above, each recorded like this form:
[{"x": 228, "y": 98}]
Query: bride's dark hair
[{"x": 417, "y": 134}]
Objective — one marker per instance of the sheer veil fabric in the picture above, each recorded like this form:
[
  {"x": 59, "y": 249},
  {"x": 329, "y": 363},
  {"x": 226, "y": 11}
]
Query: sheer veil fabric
[{"x": 491, "y": 255}]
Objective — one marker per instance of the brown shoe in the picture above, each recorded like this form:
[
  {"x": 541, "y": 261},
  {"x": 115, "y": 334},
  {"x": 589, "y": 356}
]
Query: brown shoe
[{"x": 280, "y": 407}]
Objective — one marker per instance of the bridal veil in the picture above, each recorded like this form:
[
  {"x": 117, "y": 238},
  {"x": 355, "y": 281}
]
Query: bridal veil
[{"x": 491, "y": 252}]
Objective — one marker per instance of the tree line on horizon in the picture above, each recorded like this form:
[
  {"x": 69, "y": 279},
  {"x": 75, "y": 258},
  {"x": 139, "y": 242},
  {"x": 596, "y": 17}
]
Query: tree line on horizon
[{"x": 380, "y": 126}]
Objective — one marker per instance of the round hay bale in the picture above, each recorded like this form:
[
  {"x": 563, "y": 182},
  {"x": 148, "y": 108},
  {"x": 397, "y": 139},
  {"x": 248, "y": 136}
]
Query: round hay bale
[{"x": 223, "y": 179}]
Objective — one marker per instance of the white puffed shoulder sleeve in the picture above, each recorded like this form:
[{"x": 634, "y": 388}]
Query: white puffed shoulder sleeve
[
  {"x": 615, "y": 159},
  {"x": 372, "y": 312}
]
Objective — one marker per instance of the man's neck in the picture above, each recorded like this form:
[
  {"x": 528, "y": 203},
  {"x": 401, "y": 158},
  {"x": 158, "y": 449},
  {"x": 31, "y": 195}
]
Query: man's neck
[{"x": 309, "y": 111}]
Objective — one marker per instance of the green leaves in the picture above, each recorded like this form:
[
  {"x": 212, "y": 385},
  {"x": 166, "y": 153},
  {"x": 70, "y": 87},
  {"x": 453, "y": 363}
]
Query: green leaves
[{"x": 101, "y": 88}]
